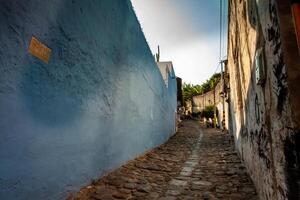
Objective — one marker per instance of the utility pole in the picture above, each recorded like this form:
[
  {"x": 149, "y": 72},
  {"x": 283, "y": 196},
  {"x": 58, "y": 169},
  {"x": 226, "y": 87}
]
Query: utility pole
[
  {"x": 220, "y": 58},
  {"x": 203, "y": 100},
  {"x": 215, "y": 109},
  {"x": 223, "y": 94}
]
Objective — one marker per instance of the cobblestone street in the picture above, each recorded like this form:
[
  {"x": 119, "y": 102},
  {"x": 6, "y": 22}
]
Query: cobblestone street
[{"x": 196, "y": 163}]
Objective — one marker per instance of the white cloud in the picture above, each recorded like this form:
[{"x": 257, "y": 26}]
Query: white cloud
[
  {"x": 194, "y": 61},
  {"x": 163, "y": 23},
  {"x": 194, "y": 53}
]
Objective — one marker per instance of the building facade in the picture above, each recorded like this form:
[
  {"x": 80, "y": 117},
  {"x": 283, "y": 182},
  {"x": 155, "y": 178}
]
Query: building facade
[
  {"x": 213, "y": 98},
  {"x": 167, "y": 71},
  {"x": 264, "y": 68}
]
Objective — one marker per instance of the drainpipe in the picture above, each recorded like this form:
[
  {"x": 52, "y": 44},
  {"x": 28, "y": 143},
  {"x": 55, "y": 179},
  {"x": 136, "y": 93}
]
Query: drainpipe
[{"x": 295, "y": 6}]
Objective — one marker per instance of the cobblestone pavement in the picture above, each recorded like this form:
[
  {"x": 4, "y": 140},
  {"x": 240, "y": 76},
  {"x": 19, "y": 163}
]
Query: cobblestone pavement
[{"x": 196, "y": 163}]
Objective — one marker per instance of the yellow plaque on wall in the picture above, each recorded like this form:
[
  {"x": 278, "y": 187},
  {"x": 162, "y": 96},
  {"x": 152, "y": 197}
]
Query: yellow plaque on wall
[{"x": 39, "y": 50}]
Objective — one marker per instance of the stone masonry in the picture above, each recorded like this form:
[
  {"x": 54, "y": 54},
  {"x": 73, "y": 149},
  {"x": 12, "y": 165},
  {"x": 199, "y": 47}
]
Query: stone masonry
[{"x": 196, "y": 163}]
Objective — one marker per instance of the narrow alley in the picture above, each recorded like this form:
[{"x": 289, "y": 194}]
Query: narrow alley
[
  {"x": 150, "y": 100},
  {"x": 196, "y": 163}
]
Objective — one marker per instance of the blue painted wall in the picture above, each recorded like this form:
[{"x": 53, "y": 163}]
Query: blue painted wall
[{"x": 99, "y": 102}]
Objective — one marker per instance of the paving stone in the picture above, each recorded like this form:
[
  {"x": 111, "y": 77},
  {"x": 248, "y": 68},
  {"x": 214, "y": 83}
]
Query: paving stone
[
  {"x": 177, "y": 182},
  {"x": 188, "y": 166},
  {"x": 154, "y": 195},
  {"x": 187, "y": 169},
  {"x": 102, "y": 196},
  {"x": 248, "y": 190},
  {"x": 222, "y": 187},
  {"x": 173, "y": 192},
  {"x": 191, "y": 163},
  {"x": 203, "y": 183},
  {"x": 120, "y": 195},
  {"x": 144, "y": 188},
  {"x": 184, "y": 178},
  {"x": 130, "y": 185},
  {"x": 126, "y": 191},
  {"x": 139, "y": 194},
  {"x": 185, "y": 173},
  {"x": 208, "y": 196},
  {"x": 130, "y": 180},
  {"x": 167, "y": 198}
]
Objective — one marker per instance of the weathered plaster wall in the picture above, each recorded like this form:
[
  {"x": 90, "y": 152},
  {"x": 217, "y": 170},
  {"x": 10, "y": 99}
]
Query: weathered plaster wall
[
  {"x": 261, "y": 116},
  {"x": 291, "y": 59},
  {"x": 200, "y": 102},
  {"x": 99, "y": 102},
  {"x": 207, "y": 99}
]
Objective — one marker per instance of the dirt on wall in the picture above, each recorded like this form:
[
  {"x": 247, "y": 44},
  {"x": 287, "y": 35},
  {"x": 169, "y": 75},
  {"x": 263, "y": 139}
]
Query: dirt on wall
[{"x": 262, "y": 121}]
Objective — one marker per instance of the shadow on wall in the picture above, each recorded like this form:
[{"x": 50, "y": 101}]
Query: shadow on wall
[{"x": 260, "y": 113}]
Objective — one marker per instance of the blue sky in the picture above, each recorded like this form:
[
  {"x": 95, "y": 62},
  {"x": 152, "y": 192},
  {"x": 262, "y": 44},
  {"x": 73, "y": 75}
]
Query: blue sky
[{"x": 187, "y": 32}]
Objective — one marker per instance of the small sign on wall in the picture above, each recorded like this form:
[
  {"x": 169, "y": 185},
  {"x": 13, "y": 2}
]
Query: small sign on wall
[{"x": 39, "y": 50}]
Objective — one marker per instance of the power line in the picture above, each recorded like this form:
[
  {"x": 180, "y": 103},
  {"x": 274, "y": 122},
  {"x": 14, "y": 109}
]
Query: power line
[
  {"x": 223, "y": 33},
  {"x": 222, "y": 45},
  {"x": 224, "y": 27},
  {"x": 217, "y": 68},
  {"x": 220, "y": 14}
]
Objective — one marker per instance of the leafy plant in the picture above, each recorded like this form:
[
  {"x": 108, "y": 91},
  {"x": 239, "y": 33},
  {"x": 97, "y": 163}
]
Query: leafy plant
[
  {"x": 208, "y": 112},
  {"x": 157, "y": 55},
  {"x": 190, "y": 90}
]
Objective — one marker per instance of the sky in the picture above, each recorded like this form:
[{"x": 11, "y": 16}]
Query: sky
[{"x": 188, "y": 33}]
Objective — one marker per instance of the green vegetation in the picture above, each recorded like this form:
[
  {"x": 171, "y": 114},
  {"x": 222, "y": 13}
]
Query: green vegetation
[
  {"x": 208, "y": 112},
  {"x": 190, "y": 90}
]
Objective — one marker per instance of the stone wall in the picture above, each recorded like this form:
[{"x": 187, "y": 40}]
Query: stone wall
[
  {"x": 261, "y": 117},
  {"x": 98, "y": 102}
]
